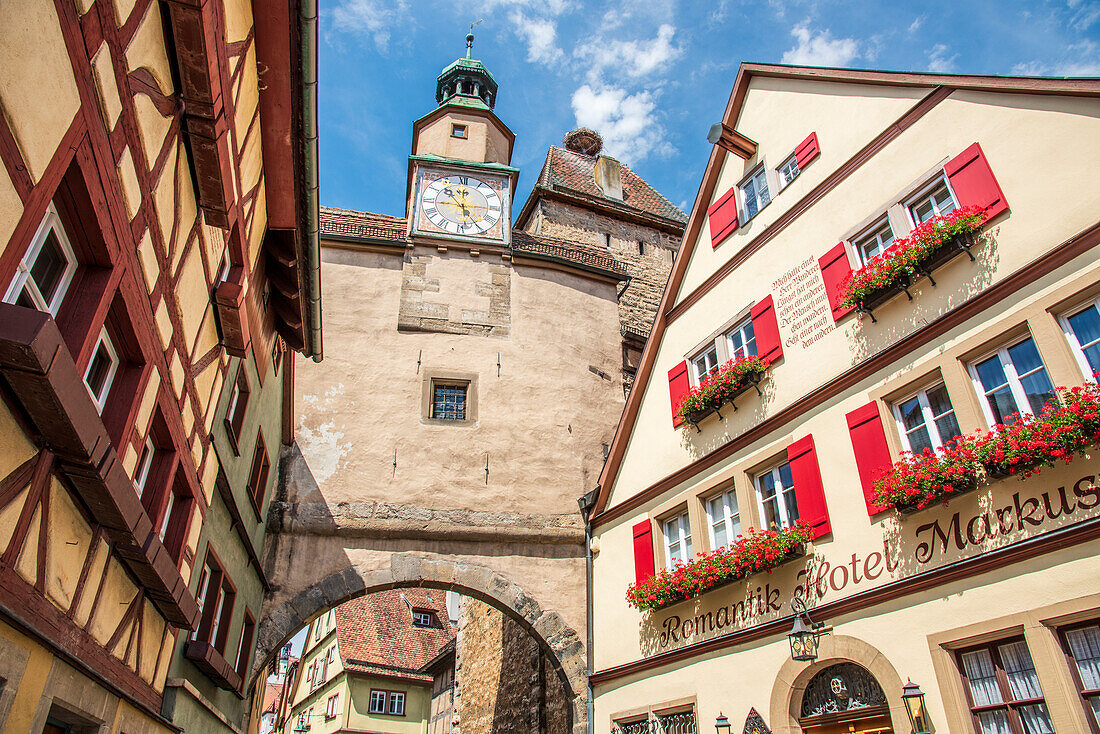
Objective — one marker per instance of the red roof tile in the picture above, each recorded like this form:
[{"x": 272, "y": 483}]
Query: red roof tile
[
  {"x": 376, "y": 633},
  {"x": 350, "y": 223},
  {"x": 574, "y": 172},
  {"x": 272, "y": 691}
]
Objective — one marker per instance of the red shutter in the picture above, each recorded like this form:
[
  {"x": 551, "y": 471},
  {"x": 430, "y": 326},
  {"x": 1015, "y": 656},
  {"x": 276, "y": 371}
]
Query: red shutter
[
  {"x": 722, "y": 216},
  {"x": 807, "y": 485},
  {"x": 677, "y": 388},
  {"x": 766, "y": 328},
  {"x": 973, "y": 183},
  {"x": 835, "y": 270},
  {"x": 643, "y": 551},
  {"x": 872, "y": 453},
  {"x": 806, "y": 151}
]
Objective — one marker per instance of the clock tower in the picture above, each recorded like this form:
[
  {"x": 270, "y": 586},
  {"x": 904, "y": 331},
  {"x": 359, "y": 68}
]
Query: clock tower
[{"x": 460, "y": 182}]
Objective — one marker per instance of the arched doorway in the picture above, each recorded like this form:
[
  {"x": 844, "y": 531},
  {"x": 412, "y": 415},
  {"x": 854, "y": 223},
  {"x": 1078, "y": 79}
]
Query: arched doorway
[{"x": 844, "y": 698}]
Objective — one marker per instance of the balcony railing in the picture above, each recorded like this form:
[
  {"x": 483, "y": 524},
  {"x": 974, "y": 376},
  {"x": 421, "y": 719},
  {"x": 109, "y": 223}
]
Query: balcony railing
[{"x": 682, "y": 723}]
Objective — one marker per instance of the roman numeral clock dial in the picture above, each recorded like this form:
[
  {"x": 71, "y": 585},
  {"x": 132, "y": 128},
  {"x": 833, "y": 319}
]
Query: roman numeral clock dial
[{"x": 461, "y": 205}]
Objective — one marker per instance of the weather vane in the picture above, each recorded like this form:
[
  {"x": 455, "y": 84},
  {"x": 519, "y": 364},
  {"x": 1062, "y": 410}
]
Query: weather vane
[{"x": 470, "y": 37}]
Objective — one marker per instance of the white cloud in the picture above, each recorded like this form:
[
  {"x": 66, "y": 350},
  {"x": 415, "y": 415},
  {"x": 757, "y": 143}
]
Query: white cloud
[
  {"x": 819, "y": 48},
  {"x": 540, "y": 35},
  {"x": 1083, "y": 60},
  {"x": 374, "y": 18},
  {"x": 917, "y": 23},
  {"x": 939, "y": 61},
  {"x": 627, "y": 122},
  {"x": 629, "y": 59}
]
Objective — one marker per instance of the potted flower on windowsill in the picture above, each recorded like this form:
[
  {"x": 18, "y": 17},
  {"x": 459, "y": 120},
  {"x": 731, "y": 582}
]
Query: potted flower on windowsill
[
  {"x": 722, "y": 385},
  {"x": 929, "y": 245},
  {"x": 762, "y": 550},
  {"x": 1064, "y": 429}
]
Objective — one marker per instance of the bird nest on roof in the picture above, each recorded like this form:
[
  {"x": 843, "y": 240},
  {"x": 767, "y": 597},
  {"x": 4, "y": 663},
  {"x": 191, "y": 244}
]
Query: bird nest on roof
[{"x": 584, "y": 141}]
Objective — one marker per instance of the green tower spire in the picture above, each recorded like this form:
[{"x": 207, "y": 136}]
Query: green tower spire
[{"x": 466, "y": 81}]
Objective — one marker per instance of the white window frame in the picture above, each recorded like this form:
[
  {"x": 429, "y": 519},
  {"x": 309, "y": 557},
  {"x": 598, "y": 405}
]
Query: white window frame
[
  {"x": 697, "y": 374},
  {"x": 680, "y": 524},
  {"x": 144, "y": 465},
  {"x": 217, "y": 619},
  {"x": 781, "y": 505},
  {"x": 780, "y": 172},
  {"x": 425, "y": 617},
  {"x": 926, "y": 411},
  {"x": 396, "y": 701},
  {"x": 731, "y": 519},
  {"x": 740, "y": 327},
  {"x": 103, "y": 341},
  {"x": 167, "y": 515},
  {"x": 50, "y": 222},
  {"x": 379, "y": 697},
  {"x": 204, "y": 588},
  {"x": 234, "y": 400},
  {"x": 873, "y": 232},
  {"x": 925, "y": 192},
  {"x": 1071, "y": 336},
  {"x": 757, "y": 174},
  {"x": 1015, "y": 385}
]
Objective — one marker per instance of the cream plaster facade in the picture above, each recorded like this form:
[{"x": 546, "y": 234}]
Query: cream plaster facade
[{"x": 882, "y": 136}]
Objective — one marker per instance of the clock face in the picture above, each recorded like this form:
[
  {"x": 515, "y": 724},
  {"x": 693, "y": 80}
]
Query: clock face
[{"x": 463, "y": 205}]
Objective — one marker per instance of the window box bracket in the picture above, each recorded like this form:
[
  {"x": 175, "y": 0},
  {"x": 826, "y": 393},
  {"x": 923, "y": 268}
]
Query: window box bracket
[
  {"x": 939, "y": 257},
  {"x": 752, "y": 380}
]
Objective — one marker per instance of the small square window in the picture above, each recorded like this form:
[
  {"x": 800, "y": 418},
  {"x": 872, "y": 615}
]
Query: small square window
[
  {"x": 933, "y": 201},
  {"x": 458, "y": 131},
  {"x": 775, "y": 492},
  {"x": 875, "y": 242},
  {"x": 754, "y": 192},
  {"x": 46, "y": 270},
  {"x": 101, "y": 370},
  {"x": 788, "y": 171},
  {"x": 449, "y": 401}
]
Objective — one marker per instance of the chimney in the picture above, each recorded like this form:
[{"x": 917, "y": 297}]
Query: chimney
[{"x": 609, "y": 177}]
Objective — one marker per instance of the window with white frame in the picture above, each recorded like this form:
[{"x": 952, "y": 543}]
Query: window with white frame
[
  {"x": 935, "y": 200},
  {"x": 741, "y": 340},
  {"x": 421, "y": 619},
  {"x": 723, "y": 519},
  {"x": 145, "y": 463},
  {"x": 875, "y": 241},
  {"x": 101, "y": 369},
  {"x": 1082, "y": 328},
  {"x": 926, "y": 420},
  {"x": 396, "y": 703},
  {"x": 377, "y": 702},
  {"x": 677, "y": 534},
  {"x": 172, "y": 500},
  {"x": 704, "y": 362},
  {"x": 1012, "y": 381},
  {"x": 788, "y": 171},
  {"x": 333, "y": 706},
  {"x": 754, "y": 192},
  {"x": 775, "y": 493},
  {"x": 46, "y": 270}
]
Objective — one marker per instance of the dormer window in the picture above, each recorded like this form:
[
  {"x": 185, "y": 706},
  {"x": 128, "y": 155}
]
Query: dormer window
[
  {"x": 458, "y": 131},
  {"x": 422, "y": 618}
]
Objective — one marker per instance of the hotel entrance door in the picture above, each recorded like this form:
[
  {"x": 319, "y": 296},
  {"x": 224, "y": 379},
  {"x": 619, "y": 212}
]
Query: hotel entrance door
[{"x": 844, "y": 698}]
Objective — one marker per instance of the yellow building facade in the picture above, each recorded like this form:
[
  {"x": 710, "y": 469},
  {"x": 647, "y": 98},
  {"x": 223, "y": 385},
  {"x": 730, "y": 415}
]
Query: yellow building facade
[{"x": 987, "y": 600}]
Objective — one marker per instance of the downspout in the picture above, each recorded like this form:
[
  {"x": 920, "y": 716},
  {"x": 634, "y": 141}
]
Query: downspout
[
  {"x": 587, "y": 502},
  {"x": 308, "y": 13}
]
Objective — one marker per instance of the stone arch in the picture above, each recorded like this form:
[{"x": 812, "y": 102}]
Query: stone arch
[
  {"x": 793, "y": 677},
  {"x": 565, "y": 646}
]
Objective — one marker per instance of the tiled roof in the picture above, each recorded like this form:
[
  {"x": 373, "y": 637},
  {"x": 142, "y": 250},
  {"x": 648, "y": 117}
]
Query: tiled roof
[
  {"x": 376, "y": 633},
  {"x": 272, "y": 691},
  {"x": 350, "y": 223},
  {"x": 365, "y": 225},
  {"x": 565, "y": 169}
]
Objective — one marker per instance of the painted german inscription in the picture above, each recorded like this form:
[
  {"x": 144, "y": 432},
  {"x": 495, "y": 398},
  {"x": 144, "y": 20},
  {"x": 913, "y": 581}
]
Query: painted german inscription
[
  {"x": 802, "y": 304},
  {"x": 1008, "y": 513}
]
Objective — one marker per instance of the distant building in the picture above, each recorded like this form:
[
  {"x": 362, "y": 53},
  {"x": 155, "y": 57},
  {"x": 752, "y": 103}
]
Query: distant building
[{"x": 379, "y": 663}]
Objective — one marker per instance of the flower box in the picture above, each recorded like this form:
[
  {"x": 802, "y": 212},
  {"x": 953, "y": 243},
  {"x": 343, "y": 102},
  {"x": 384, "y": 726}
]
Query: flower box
[
  {"x": 908, "y": 259},
  {"x": 721, "y": 387},
  {"x": 1064, "y": 429},
  {"x": 758, "y": 551}
]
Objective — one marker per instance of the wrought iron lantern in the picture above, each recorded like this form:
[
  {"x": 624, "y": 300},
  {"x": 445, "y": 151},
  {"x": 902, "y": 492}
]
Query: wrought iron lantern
[
  {"x": 722, "y": 724},
  {"x": 913, "y": 697},
  {"x": 805, "y": 634}
]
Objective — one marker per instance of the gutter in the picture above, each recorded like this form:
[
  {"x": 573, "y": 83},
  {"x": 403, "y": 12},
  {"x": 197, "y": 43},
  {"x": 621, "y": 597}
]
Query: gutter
[{"x": 308, "y": 16}]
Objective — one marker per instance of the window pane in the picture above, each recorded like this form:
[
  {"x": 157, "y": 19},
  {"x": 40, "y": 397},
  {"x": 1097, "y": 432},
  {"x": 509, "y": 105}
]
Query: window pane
[
  {"x": 991, "y": 373},
  {"x": 919, "y": 440},
  {"x": 948, "y": 427},
  {"x": 923, "y": 211},
  {"x": 911, "y": 414},
  {"x": 716, "y": 510},
  {"x": 1084, "y": 645},
  {"x": 792, "y": 507},
  {"x": 49, "y": 267},
  {"x": 1025, "y": 357},
  {"x": 1023, "y": 681},
  {"x": 1086, "y": 327},
  {"x": 1036, "y": 719},
  {"x": 450, "y": 402},
  {"x": 981, "y": 677},
  {"x": 99, "y": 370},
  {"x": 1039, "y": 390},
  {"x": 994, "y": 722},
  {"x": 785, "y": 474},
  {"x": 751, "y": 207},
  {"x": 762, "y": 189}
]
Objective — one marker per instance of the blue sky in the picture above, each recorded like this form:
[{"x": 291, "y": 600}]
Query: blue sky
[{"x": 650, "y": 75}]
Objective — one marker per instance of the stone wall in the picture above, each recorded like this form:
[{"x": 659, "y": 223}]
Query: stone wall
[
  {"x": 646, "y": 252},
  {"x": 504, "y": 683}
]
